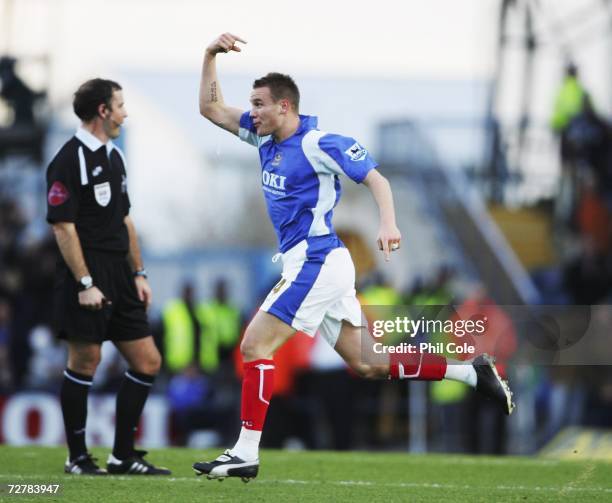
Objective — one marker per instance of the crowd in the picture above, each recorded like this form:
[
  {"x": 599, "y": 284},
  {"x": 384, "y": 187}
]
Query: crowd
[
  {"x": 584, "y": 202},
  {"x": 26, "y": 286}
]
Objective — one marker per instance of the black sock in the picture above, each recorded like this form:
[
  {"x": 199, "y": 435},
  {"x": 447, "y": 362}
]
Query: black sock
[
  {"x": 73, "y": 398},
  {"x": 130, "y": 402}
]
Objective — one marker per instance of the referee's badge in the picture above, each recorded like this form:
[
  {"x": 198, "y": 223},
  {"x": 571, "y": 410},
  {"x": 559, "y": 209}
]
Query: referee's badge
[{"x": 102, "y": 191}]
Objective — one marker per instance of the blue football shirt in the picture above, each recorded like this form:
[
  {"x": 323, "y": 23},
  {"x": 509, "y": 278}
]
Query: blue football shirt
[{"x": 299, "y": 177}]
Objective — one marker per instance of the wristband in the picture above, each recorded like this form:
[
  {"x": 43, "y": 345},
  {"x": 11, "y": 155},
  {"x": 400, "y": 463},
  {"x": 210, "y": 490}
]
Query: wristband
[{"x": 141, "y": 272}]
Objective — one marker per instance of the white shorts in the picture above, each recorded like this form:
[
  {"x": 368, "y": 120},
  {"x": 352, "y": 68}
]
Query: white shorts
[{"x": 317, "y": 290}]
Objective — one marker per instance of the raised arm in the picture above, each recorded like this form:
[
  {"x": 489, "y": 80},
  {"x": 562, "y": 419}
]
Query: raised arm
[
  {"x": 212, "y": 105},
  {"x": 389, "y": 236}
]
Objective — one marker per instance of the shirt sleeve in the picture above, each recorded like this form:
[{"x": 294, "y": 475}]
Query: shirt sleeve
[
  {"x": 346, "y": 156},
  {"x": 247, "y": 131},
  {"x": 125, "y": 198},
  {"x": 63, "y": 187}
]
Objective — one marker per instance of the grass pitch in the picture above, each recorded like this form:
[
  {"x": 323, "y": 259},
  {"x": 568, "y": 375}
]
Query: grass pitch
[{"x": 318, "y": 476}]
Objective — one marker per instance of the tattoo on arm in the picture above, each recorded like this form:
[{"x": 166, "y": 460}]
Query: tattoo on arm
[{"x": 213, "y": 92}]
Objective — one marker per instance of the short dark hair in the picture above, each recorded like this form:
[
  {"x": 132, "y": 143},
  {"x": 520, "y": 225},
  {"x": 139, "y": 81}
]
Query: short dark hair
[
  {"x": 90, "y": 95},
  {"x": 281, "y": 87}
]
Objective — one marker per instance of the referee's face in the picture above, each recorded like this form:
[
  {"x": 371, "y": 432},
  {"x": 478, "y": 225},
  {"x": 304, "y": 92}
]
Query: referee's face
[{"x": 115, "y": 116}]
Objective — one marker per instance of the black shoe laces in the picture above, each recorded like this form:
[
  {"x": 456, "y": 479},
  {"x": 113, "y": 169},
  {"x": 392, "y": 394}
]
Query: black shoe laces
[{"x": 139, "y": 455}]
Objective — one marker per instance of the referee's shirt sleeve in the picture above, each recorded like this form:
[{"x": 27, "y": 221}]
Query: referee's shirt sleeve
[
  {"x": 63, "y": 187},
  {"x": 124, "y": 195},
  {"x": 346, "y": 156},
  {"x": 125, "y": 198}
]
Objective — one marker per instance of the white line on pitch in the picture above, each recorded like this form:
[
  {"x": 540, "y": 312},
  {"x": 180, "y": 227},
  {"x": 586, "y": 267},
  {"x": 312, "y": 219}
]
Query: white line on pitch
[{"x": 366, "y": 483}]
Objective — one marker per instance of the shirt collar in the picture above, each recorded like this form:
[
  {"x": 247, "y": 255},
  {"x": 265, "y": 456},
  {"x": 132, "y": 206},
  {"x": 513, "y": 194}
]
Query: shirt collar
[
  {"x": 91, "y": 142},
  {"x": 307, "y": 122}
]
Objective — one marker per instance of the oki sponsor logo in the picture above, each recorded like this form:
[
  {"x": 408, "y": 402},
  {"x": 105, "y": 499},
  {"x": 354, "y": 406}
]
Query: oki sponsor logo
[{"x": 273, "y": 181}]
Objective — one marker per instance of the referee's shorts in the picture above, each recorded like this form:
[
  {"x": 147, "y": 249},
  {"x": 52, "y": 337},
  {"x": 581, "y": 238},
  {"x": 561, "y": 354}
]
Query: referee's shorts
[{"x": 124, "y": 319}]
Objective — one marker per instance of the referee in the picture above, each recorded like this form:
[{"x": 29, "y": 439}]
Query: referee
[{"x": 101, "y": 287}]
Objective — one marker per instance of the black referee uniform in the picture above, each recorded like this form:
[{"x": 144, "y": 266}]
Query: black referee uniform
[{"x": 87, "y": 185}]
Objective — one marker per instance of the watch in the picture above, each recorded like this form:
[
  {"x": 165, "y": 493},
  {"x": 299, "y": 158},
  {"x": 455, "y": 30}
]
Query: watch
[
  {"x": 85, "y": 283},
  {"x": 141, "y": 272}
]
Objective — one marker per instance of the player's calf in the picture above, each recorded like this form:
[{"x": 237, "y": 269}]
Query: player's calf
[{"x": 368, "y": 371}]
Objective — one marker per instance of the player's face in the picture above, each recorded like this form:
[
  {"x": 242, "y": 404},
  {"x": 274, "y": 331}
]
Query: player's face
[
  {"x": 115, "y": 116},
  {"x": 266, "y": 113}
]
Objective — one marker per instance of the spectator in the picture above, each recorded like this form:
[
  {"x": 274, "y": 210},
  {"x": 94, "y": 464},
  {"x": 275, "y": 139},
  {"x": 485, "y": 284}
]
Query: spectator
[
  {"x": 6, "y": 380},
  {"x": 190, "y": 394},
  {"x": 569, "y": 102},
  {"x": 201, "y": 334},
  {"x": 47, "y": 361}
]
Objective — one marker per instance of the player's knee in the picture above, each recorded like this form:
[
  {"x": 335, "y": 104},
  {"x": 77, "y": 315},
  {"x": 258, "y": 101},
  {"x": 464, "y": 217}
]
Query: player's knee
[
  {"x": 250, "y": 349},
  {"x": 84, "y": 363},
  {"x": 149, "y": 364},
  {"x": 154, "y": 363}
]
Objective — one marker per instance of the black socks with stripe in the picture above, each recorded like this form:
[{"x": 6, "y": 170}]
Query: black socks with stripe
[
  {"x": 73, "y": 399},
  {"x": 131, "y": 399}
]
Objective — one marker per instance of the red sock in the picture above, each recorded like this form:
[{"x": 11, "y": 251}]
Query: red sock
[
  {"x": 420, "y": 366},
  {"x": 257, "y": 385}
]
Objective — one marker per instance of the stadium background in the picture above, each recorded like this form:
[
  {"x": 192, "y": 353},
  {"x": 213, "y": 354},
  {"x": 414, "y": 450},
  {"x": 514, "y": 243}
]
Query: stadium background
[{"x": 459, "y": 118}]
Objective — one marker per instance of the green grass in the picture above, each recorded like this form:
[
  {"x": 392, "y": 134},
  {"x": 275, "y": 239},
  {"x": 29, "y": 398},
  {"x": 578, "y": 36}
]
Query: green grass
[{"x": 320, "y": 476}]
